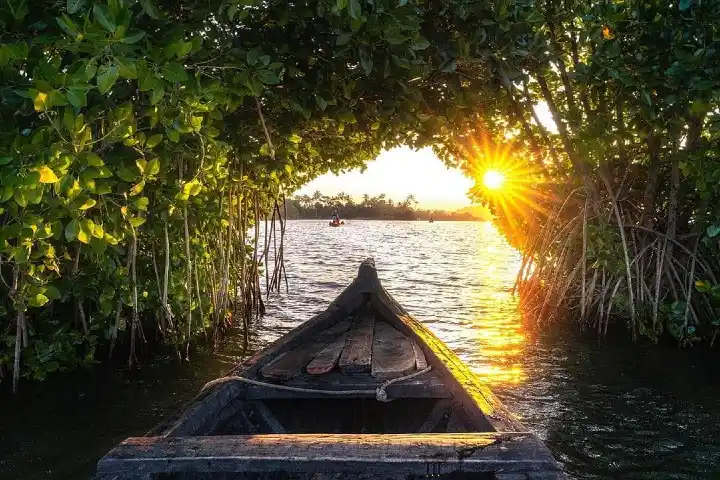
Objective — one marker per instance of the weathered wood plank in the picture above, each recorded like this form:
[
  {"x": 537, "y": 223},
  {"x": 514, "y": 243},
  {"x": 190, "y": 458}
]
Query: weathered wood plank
[
  {"x": 354, "y": 296},
  {"x": 357, "y": 353},
  {"x": 392, "y": 353},
  {"x": 420, "y": 360},
  {"x": 327, "y": 359},
  {"x": 435, "y": 417},
  {"x": 480, "y": 404},
  {"x": 547, "y": 475},
  {"x": 266, "y": 417},
  {"x": 198, "y": 413},
  {"x": 428, "y": 385},
  {"x": 291, "y": 363},
  {"x": 350, "y": 453}
]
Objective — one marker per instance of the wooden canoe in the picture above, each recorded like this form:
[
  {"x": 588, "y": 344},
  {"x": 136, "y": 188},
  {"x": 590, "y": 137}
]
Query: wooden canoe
[{"x": 361, "y": 390}]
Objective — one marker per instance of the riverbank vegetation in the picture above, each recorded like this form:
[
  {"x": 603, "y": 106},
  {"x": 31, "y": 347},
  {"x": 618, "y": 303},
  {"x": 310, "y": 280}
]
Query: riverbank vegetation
[
  {"x": 140, "y": 141},
  {"x": 614, "y": 198},
  {"x": 371, "y": 207}
]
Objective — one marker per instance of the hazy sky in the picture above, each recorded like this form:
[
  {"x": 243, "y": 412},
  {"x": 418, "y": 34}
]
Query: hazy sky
[
  {"x": 398, "y": 173},
  {"x": 402, "y": 171}
]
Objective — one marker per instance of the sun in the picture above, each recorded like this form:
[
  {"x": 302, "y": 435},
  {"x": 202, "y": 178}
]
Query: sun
[{"x": 493, "y": 179}]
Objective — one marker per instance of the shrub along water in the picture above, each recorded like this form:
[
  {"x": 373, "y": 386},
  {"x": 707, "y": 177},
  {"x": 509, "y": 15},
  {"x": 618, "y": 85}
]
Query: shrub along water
[{"x": 614, "y": 198}]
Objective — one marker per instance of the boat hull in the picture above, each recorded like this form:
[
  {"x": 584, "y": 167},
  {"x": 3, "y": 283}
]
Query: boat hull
[{"x": 362, "y": 388}]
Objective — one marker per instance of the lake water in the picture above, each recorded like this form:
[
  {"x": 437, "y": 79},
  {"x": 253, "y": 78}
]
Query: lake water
[{"x": 606, "y": 411}]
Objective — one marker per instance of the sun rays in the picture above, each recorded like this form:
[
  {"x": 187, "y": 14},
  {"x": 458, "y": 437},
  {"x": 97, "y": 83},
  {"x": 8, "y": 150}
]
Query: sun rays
[{"x": 505, "y": 178}]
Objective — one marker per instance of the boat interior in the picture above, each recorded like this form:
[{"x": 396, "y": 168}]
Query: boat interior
[
  {"x": 362, "y": 390},
  {"x": 356, "y": 354}
]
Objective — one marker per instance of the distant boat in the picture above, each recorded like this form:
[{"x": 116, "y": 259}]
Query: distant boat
[
  {"x": 333, "y": 224},
  {"x": 361, "y": 388}
]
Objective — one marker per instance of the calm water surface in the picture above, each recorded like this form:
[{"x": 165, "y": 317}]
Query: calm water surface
[{"x": 612, "y": 411}]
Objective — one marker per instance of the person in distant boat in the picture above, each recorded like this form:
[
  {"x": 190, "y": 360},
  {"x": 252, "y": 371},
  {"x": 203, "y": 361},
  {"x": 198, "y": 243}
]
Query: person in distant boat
[{"x": 335, "y": 217}]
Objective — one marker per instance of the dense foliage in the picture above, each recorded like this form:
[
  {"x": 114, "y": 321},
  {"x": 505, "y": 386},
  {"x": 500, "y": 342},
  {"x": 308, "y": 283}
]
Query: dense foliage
[{"x": 370, "y": 207}]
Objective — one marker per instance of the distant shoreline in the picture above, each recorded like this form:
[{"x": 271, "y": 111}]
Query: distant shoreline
[{"x": 398, "y": 219}]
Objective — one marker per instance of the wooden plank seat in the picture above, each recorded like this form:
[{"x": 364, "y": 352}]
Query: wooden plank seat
[{"x": 398, "y": 454}]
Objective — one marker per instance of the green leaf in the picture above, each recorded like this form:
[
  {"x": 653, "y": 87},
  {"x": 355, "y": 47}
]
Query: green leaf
[
  {"x": 401, "y": 62},
  {"x": 294, "y": 138},
  {"x": 87, "y": 227},
  {"x": 253, "y": 55},
  {"x": 137, "y": 188},
  {"x": 38, "y": 300},
  {"x": 67, "y": 25},
  {"x": 20, "y": 198},
  {"x": 74, "y": 5},
  {"x": 267, "y": 77},
  {"x": 93, "y": 160},
  {"x": 366, "y": 62},
  {"x": 154, "y": 140},
  {"x": 150, "y": 8},
  {"x": 137, "y": 221},
  {"x": 173, "y": 135},
  {"x": 77, "y": 97},
  {"x": 127, "y": 174},
  {"x": 106, "y": 77},
  {"x": 72, "y": 229},
  {"x": 354, "y": 9},
  {"x": 684, "y": 5},
  {"x": 156, "y": 95},
  {"x": 104, "y": 18},
  {"x": 153, "y": 167},
  {"x": 133, "y": 37},
  {"x": 343, "y": 38},
  {"x": 6, "y": 194},
  {"x": 174, "y": 72},
  {"x": 702, "y": 286},
  {"x": 52, "y": 292},
  {"x": 713, "y": 230},
  {"x": 142, "y": 203},
  {"x": 88, "y": 204},
  {"x": 5, "y": 160},
  {"x": 18, "y": 8},
  {"x": 127, "y": 68},
  {"x": 420, "y": 43}
]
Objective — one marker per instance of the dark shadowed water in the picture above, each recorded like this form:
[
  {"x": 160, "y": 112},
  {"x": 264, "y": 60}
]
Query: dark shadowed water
[{"x": 606, "y": 411}]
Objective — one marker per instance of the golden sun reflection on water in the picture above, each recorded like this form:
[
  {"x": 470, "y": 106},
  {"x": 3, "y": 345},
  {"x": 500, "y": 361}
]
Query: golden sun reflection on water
[{"x": 498, "y": 332}]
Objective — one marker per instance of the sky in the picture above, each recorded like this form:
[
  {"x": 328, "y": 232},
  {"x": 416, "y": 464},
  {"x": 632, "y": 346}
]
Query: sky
[
  {"x": 398, "y": 173},
  {"x": 402, "y": 171}
]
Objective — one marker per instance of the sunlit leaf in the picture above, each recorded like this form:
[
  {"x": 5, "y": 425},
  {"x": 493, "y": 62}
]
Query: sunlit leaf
[
  {"x": 37, "y": 300},
  {"x": 47, "y": 175},
  {"x": 89, "y": 203}
]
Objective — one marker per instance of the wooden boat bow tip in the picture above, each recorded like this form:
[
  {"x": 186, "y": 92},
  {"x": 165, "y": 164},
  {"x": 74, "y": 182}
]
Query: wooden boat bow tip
[{"x": 367, "y": 277}]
